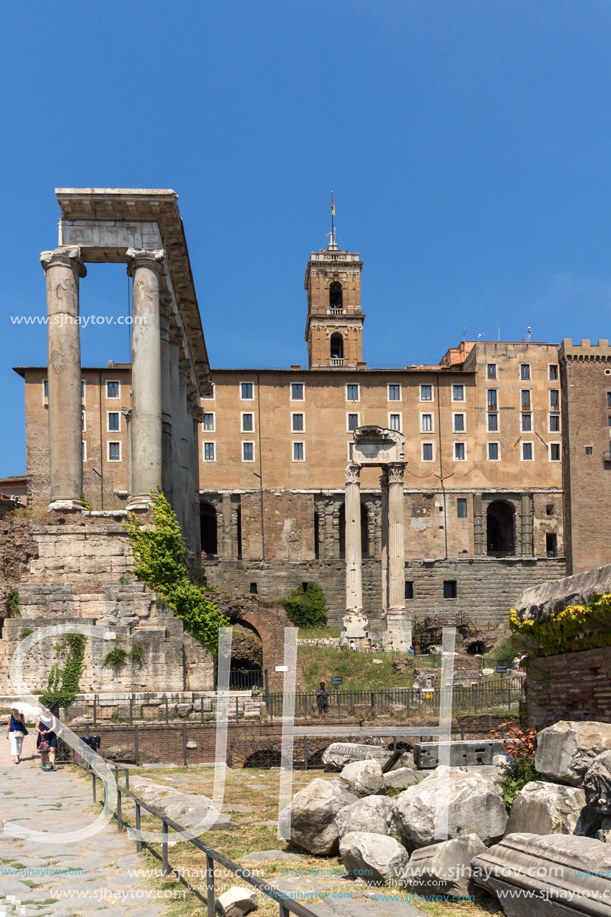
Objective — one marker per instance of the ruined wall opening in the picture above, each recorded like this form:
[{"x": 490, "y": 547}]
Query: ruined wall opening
[
  {"x": 336, "y": 296},
  {"x": 551, "y": 544},
  {"x": 316, "y": 536},
  {"x": 246, "y": 657},
  {"x": 364, "y": 531},
  {"x": 208, "y": 530},
  {"x": 239, "y": 532},
  {"x": 500, "y": 537},
  {"x": 337, "y": 347},
  {"x": 342, "y": 532}
]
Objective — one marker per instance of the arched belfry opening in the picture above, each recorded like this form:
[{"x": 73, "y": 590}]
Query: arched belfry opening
[
  {"x": 336, "y": 300},
  {"x": 337, "y": 346},
  {"x": 500, "y": 534},
  {"x": 209, "y": 531}
]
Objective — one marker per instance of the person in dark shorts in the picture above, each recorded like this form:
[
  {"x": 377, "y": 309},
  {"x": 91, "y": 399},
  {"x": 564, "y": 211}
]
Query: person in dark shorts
[
  {"x": 322, "y": 699},
  {"x": 46, "y": 724}
]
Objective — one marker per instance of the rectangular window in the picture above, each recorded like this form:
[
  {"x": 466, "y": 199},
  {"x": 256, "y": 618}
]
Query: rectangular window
[
  {"x": 554, "y": 399},
  {"x": 113, "y": 420},
  {"x": 248, "y": 452},
  {"x": 553, "y": 372},
  {"x": 83, "y": 421},
  {"x": 426, "y": 423},
  {"x": 609, "y": 399},
  {"x": 112, "y": 389},
  {"x": 114, "y": 452},
  {"x": 84, "y": 451},
  {"x": 525, "y": 399},
  {"x": 297, "y": 423},
  {"x": 246, "y": 391},
  {"x": 208, "y": 452},
  {"x": 526, "y": 423},
  {"x": 589, "y": 450},
  {"x": 45, "y": 389},
  {"x": 493, "y": 452},
  {"x": 298, "y": 452},
  {"x": 459, "y": 452},
  {"x": 493, "y": 422},
  {"x": 395, "y": 422},
  {"x": 527, "y": 452},
  {"x": 492, "y": 370},
  {"x": 554, "y": 423},
  {"x": 449, "y": 589},
  {"x": 427, "y": 452},
  {"x": 350, "y": 451},
  {"x": 409, "y": 589},
  {"x": 554, "y": 452},
  {"x": 461, "y": 507},
  {"x": 208, "y": 421},
  {"x": 426, "y": 393},
  {"x": 458, "y": 393},
  {"x": 296, "y": 391},
  {"x": 82, "y": 389},
  {"x": 525, "y": 372},
  {"x": 353, "y": 422},
  {"x": 459, "y": 423},
  {"x": 248, "y": 423},
  {"x": 394, "y": 393},
  {"x": 492, "y": 399},
  {"x": 210, "y": 395},
  {"x": 352, "y": 392}
]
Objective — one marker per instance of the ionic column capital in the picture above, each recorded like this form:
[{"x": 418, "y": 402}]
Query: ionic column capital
[
  {"x": 66, "y": 256},
  {"x": 151, "y": 258},
  {"x": 353, "y": 474}
]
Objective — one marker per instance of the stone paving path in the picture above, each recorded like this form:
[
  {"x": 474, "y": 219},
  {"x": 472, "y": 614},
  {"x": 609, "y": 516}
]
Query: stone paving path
[{"x": 60, "y": 802}]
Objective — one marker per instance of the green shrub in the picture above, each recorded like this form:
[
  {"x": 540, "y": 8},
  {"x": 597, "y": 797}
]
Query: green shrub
[
  {"x": 511, "y": 647},
  {"x": 306, "y": 608},
  {"x": 63, "y": 683},
  {"x": 12, "y": 604},
  {"x": 160, "y": 561},
  {"x": 26, "y": 633},
  {"x": 115, "y": 658},
  {"x": 515, "y": 777}
]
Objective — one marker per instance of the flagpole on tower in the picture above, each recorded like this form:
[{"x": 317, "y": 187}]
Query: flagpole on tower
[{"x": 332, "y": 219}]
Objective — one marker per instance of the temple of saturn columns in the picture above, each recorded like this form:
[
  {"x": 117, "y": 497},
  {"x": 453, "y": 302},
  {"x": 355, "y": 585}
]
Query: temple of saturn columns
[
  {"x": 170, "y": 368},
  {"x": 378, "y": 447}
]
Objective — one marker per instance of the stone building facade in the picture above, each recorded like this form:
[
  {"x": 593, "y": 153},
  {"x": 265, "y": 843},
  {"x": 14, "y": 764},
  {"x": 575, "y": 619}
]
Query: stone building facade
[
  {"x": 482, "y": 494},
  {"x": 586, "y": 417}
]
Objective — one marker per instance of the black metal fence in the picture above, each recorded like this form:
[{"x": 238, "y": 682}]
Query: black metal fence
[{"x": 245, "y": 680}]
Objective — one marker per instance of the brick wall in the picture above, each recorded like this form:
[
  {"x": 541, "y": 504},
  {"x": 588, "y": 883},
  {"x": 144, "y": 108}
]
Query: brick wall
[{"x": 570, "y": 686}]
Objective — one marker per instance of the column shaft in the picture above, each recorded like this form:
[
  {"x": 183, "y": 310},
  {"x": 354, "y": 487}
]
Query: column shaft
[
  {"x": 63, "y": 270},
  {"x": 384, "y": 538},
  {"x": 354, "y": 572},
  {"x": 197, "y": 537},
  {"x": 176, "y": 444},
  {"x": 167, "y": 477},
  {"x": 396, "y": 538},
  {"x": 147, "y": 453}
]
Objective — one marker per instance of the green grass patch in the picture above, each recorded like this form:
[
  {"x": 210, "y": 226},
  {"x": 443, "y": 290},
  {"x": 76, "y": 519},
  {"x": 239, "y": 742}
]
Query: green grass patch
[{"x": 358, "y": 670}]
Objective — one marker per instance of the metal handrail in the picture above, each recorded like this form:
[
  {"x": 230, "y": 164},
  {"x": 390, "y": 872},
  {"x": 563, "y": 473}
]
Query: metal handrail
[{"x": 286, "y": 904}]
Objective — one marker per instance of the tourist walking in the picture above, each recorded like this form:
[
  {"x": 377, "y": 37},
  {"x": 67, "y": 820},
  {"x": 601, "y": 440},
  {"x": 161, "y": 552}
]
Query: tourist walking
[
  {"x": 322, "y": 699},
  {"x": 15, "y": 731},
  {"x": 46, "y": 724}
]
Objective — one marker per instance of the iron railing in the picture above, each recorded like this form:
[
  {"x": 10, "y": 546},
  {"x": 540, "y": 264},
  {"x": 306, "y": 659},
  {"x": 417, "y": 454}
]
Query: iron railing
[{"x": 285, "y": 903}]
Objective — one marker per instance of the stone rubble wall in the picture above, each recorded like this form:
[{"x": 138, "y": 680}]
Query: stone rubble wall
[
  {"x": 569, "y": 686},
  {"x": 71, "y": 573}
]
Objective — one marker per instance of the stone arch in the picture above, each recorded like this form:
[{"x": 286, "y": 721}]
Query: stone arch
[
  {"x": 337, "y": 346},
  {"x": 500, "y": 529}
]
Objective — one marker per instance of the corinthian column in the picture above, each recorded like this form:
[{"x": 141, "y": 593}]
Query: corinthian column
[
  {"x": 384, "y": 538},
  {"x": 147, "y": 452},
  {"x": 396, "y": 537},
  {"x": 63, "y": 270},
  {"x": 354, "y": 573}
]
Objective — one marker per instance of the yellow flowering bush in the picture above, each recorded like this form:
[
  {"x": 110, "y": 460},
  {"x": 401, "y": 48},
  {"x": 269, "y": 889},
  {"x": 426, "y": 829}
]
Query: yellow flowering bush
[{"x": 577, "y": 627}]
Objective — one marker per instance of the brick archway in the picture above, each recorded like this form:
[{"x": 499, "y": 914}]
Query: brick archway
[{"x": 268, "y": 619}]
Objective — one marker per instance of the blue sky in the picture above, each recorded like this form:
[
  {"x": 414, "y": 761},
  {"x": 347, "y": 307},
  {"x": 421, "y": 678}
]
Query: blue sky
[{"x": 467, "y": 142}]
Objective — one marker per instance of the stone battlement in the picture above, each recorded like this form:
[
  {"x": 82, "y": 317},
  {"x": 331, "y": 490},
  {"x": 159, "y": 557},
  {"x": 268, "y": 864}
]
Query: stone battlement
[{"x": 585, "y": 350}]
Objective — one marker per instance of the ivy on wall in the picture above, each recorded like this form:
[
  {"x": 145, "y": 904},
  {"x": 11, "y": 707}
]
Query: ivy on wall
[
  {"x": 159, "y": 556},
  {"x": 63, "y": 682},
  {"x": 577, "y": 627},
  {"x": 119, "y": 657}
]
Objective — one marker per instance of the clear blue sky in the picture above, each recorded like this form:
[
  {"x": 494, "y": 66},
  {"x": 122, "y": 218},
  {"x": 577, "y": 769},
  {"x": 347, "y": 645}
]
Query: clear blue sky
[{"x": 468, "y": 144}]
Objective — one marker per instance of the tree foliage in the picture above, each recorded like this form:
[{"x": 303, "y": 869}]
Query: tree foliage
[
  {"x": 306, "y": 607},
  {"x": 159, "y": 557}
]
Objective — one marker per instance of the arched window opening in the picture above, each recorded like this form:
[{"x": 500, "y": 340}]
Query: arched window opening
[
  {"x": 335, "y": 295},
  {"x": 246, "y": 657},
  {"x": 337, "y": 347},
  {"x": 208, "y": 530},
  {"x": 500, "y": 538},
  {"x": 364, "y": 531}
]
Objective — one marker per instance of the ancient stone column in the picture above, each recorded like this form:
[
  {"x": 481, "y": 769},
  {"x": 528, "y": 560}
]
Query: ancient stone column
[
  {"x": 189, "y": 530},
  {"x": 198, "y": 418},
  {"x": 226, "y": 544},
  {"x": 354, "y": 572},
  {"x": 526, "y": 534},
  {"x": 183, "y": 449},
  {"x": 167, "y": 476},
  {"x": 384, "y": 538},
  {"x": 396, "y": 537},
  {"x": 176, "y": 414},
  {"x": 63, "y": 270},
  {"x": 147, "y": 459},
  {"x": 479, "y": 536}
]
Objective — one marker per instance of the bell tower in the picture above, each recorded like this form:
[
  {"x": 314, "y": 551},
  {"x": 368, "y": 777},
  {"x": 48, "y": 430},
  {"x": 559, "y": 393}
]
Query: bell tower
[{"x": 334, "y": 328}]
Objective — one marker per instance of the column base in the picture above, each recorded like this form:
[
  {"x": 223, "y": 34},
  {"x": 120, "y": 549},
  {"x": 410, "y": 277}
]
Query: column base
[
  {"x": 398, "y": 629},
  {"x": 139, "y": 502},
  {"x": 355, "y": 625},
  {"x": 66, "y": 506}
]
